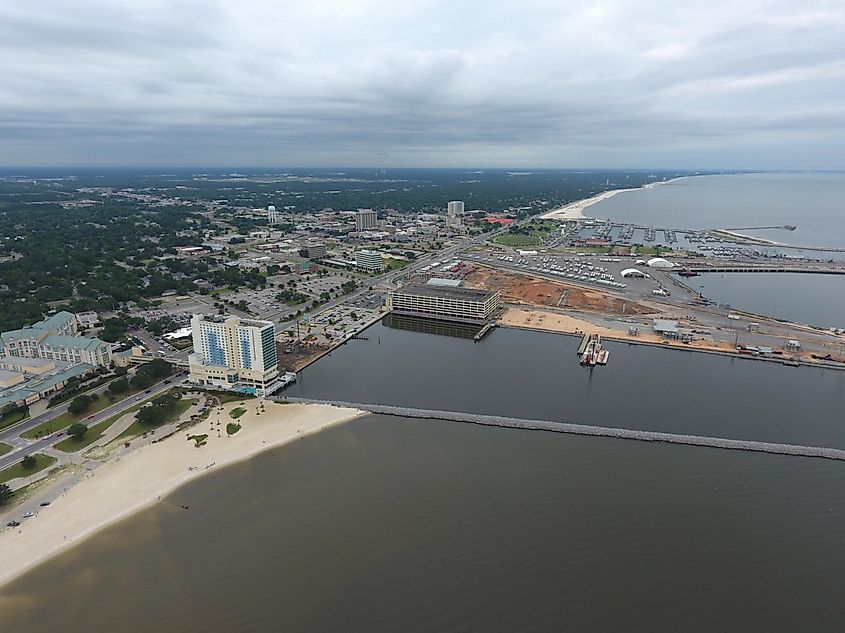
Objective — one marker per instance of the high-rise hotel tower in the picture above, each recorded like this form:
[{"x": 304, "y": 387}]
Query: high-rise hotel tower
[{"x": 234, "y": 353}]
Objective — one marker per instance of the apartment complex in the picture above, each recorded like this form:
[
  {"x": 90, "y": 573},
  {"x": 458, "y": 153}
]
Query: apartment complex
[
  {"x": 369, "y": 261},
  {"x": 454, "y": 208},
  {"x": 55, "y": 338},
  {"x": 366, "y": 219},
  {"x": 234, "y": 354},
  {"x": 446, "y": 303}
]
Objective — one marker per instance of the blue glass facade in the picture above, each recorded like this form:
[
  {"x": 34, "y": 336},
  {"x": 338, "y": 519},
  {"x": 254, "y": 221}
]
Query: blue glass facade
[
  {"x": 246, "y": 353},
  {"x": 216, "y": 353}
]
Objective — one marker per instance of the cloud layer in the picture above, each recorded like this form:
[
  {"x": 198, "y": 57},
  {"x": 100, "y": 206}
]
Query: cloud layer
[{"x": 751, "y": 84}]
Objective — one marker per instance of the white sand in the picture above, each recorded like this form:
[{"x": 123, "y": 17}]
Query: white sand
[
  {"x": 141, "y": 477},
  {"x": 575, "y": 210}
]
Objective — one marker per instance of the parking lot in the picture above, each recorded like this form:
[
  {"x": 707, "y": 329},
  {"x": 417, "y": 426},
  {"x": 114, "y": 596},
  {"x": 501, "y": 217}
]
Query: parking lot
[{"x": 600, "y": 270}]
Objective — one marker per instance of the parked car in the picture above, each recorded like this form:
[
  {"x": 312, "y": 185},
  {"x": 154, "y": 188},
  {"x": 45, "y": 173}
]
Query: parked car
[
  {"x": 12, "y": 524},
  {"x": 27, "y": 515}
]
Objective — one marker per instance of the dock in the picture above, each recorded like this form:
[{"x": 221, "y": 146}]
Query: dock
[{"x": 483, "y": 331}]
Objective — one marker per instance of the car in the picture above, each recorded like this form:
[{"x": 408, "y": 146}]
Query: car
[
  {"x": 148, "y": 391},
  {"x": 167, "y": 382},
  {"x": 27, "y": 515},
  {"x": 44, "y": 503},
  {"x": 60, "y": 433},
  {"x": 12, "y": 524}
]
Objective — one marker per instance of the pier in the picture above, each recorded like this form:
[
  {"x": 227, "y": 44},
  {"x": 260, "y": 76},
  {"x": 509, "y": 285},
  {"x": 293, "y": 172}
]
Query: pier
[
  {"x": 584, "y": 429},
  {"x": 738, "y": 268}
]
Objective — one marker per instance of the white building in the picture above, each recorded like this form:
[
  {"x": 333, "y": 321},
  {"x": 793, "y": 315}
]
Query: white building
[
  {"x": 369, "y": 260},
  {"x": 366, "y": 219},
  {"x": 234, "y": 354},
  {"x": 455, "y": 208}
]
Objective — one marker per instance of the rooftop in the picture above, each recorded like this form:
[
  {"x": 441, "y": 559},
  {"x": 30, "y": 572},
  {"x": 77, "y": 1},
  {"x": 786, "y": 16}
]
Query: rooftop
[
  {"x": 72, "y": 342},
  {"x": 56, "y": 321},
  {"x": 40, "y": 384},
  {"x": 446, "y": 292}
]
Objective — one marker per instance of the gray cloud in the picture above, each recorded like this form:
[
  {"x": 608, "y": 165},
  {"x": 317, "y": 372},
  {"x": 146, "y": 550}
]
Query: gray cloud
[{"x": 544, "y": 83}]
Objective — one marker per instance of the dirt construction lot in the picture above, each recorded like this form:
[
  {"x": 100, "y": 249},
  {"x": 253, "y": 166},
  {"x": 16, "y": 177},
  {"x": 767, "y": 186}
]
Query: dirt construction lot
[{"x": 516, "y": 288}]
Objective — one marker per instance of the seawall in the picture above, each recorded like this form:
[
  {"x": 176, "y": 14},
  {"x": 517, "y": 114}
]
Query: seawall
[{"x": 585, "y": 429}]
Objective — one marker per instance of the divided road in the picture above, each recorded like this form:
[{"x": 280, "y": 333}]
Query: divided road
[{"x": 22, "y": 446}]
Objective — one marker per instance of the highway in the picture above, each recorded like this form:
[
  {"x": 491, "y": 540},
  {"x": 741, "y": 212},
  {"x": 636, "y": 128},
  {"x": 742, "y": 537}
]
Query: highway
[{"x": 22, "y": 446}]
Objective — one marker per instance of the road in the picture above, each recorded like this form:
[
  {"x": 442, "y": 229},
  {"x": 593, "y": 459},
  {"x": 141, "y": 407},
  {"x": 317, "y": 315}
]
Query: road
[
  {"x": 22, "y": 446},
  {"x": 369, "y": 284}
]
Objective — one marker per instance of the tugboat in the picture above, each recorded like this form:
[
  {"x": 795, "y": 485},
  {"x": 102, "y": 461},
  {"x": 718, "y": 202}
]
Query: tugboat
[{"x": 686, "y": 272}]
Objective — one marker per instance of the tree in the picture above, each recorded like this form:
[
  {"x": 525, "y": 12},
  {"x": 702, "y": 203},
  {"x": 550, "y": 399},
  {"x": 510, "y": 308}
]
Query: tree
[
  {"x": 141, "y": 381},
  {"x": 119, "y": 386},
  {"x": 77, "y": 431},
  {"x": 80, "y": 404},
  {"x": 28, "y": 462},
  {"x": 5, "y": 493}
]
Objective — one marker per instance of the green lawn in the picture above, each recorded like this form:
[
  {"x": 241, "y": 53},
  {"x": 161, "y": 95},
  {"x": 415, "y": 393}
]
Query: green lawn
[
  {"x": 537, "y": 232},
  {"x": 67, "y": 418},
  {"x": 4, "y": 448},
  {"x": 16, "y": 417},
  {"x": 391, "y": 263},
  {"x": 136, "y": 428},
  {"x": 13, "y": 472},
  {"x": 236, "y": 413},
  {"x": 95, "y": 432}
]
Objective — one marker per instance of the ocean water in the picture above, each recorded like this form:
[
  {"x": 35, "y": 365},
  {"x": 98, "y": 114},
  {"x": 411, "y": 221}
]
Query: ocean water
[
  {"x": 813, "y": 202},
  {"x": 811, "y": 299},
  {"x": 386, "y": 525}
]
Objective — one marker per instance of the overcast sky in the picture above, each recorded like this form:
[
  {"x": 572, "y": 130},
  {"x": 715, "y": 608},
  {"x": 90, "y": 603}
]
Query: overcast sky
[{"x": 533, "y": 83}]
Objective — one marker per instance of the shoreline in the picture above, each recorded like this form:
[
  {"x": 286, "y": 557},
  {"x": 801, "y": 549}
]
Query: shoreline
[
  {"x": 575, "y": 210},
  {"x": 521, "y": 318},
  {"x": 134, "y": 482}
]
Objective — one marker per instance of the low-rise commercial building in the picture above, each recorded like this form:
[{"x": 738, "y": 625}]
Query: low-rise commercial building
[
  {"x": 29, "y": 388},
  {"x": 439, "y": 302}
]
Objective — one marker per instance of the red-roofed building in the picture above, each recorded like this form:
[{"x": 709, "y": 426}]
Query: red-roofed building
[{"x": 497, "y": 220}]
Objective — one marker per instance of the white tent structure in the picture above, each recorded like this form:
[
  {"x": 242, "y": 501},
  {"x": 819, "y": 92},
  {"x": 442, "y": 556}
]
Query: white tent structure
[
  {"x": 632, "y": 272},
  {"x": 659, "y": 262}
]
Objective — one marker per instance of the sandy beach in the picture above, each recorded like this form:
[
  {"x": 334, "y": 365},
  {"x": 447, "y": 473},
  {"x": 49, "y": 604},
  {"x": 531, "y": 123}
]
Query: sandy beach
[
  {"x": 575, "y": 210},
  {"x": 142, "y": 477}
]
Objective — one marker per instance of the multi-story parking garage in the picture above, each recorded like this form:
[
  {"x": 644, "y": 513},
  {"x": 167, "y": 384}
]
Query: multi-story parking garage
[{"x": 441, "y": 302}]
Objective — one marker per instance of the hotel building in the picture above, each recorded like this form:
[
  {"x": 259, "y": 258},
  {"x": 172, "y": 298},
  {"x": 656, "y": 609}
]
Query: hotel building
[{"x": 234, "y": 354}]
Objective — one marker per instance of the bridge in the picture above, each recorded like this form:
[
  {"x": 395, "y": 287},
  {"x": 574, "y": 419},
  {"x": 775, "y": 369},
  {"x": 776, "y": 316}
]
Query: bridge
[{"x": 583, "y": 429}]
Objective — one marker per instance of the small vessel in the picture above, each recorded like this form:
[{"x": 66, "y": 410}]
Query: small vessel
[
  {"x": 687, "y": 273},
  {"x": 591, "y": 351}
]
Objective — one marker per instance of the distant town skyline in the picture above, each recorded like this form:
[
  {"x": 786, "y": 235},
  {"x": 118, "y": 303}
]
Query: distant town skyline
[{"x": 367, "y": 83}]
